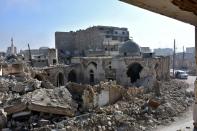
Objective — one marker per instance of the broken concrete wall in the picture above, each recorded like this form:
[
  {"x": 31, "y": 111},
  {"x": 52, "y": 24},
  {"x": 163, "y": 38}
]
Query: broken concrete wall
[
  {"x": 115, "y": 93},
  {"x": 54, "y": 74},
  {"x": 59, "y": 75},
  {"x": 101, "y": 95},
  {"x": 89, "y": 99},
  {"x": 15, "y": 68},
  {"x": 102, "y": 98}
]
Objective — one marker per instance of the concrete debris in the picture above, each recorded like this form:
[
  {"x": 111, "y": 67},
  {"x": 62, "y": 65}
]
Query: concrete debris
[
  {"x": 55, "y": 101},
  {"x": 19, "y": 87},
  {"x": 4, "y": 86},
  {"x": 47, "y": 85},
  {"x": 104, "y": 93},
  {"x": 96, "y": 96},
  {"x": 35, "y": 104},
  {"x": 135, "y": 112}
]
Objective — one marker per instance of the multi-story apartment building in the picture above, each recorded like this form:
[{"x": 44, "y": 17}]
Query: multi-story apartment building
[{"x": 100, "y": 40}]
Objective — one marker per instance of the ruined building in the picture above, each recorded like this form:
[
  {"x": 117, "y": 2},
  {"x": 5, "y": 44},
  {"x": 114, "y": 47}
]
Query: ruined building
[
  {"x": 127, "y": 68},
  {"x": 41, "y": 57},
  {"x": 97, "y": 40}
]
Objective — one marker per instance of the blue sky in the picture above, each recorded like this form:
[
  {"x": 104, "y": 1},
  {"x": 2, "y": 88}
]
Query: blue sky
[{"x": 35, "y": 22}]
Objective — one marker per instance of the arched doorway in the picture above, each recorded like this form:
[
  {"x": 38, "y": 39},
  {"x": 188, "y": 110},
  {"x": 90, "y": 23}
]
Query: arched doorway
[
  {"x": 72, "y": 77},
  {"x": 91, "y": 73},
  {"x": 133, "y": 72},
  {"x": 60, "y": 80}
]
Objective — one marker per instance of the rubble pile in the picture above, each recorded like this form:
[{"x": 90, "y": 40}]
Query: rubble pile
[
  {"x": 24, "y": 103},
  {"x": 38, "y": 105},
  {"x": 136, "y": 112}
]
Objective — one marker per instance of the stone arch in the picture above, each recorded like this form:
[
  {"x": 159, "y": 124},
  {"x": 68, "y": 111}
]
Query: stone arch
[
  {"x": 93, "y": 63},
  {"x": 133, "y": 71},
  {"x": 60, "y": 79},
  {"x": 72, "y": 76},
  {"x": 91, "y": 76}
]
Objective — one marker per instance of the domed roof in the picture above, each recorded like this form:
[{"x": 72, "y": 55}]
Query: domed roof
[{"x": 130, "y": 48}]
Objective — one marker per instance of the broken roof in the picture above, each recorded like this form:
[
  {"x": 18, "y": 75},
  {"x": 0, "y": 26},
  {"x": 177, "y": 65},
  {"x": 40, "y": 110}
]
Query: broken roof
[{"x": 183, "y": 10}]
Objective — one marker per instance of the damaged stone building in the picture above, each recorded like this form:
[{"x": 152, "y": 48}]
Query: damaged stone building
[
  {"x": 38, "y": 106},
  {"x": 127, "y": 68},
  {"x": 41, "y": 57},
  {"x": 103, "y": 53}
]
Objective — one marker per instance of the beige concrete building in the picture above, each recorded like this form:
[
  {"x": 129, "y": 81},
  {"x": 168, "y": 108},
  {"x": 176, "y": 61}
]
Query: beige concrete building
[{"x": 97, "y": 40}]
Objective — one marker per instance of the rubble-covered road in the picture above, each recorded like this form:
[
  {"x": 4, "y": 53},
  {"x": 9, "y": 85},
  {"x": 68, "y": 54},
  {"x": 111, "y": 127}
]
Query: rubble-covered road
[{"x": 185, "y": 121}]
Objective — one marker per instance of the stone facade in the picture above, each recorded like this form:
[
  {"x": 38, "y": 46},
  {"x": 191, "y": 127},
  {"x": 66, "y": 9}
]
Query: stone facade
[
  {"x": 110, "y": 68},
  {"x": 125, "y": 71}
]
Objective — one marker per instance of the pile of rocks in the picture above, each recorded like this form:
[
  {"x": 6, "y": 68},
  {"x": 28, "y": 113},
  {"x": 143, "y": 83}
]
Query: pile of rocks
[
  {"x": 26, "y": 102},
  {"x": 136, "y": 112},
  {"x": 36, "y": 105}
]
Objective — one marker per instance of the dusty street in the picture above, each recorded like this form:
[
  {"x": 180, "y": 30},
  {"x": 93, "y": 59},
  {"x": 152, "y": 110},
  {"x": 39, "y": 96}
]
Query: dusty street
[{"x": 185, "y": 121}]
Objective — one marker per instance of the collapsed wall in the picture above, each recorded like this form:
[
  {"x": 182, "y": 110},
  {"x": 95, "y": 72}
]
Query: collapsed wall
[
  {"x": 55, "y": 101},
  {"x": 102, "y": 94}
]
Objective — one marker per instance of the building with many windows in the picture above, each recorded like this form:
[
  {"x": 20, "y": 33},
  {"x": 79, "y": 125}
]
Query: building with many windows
[{"x": 93, "y": 41}]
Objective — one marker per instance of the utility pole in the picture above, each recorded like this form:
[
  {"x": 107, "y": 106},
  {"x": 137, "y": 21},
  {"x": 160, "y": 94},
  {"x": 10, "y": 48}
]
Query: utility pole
[
  {"x": 30, "y": 58},
  {"x": 183, "y": 58},
  {"x": 174, "y": 57}
]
